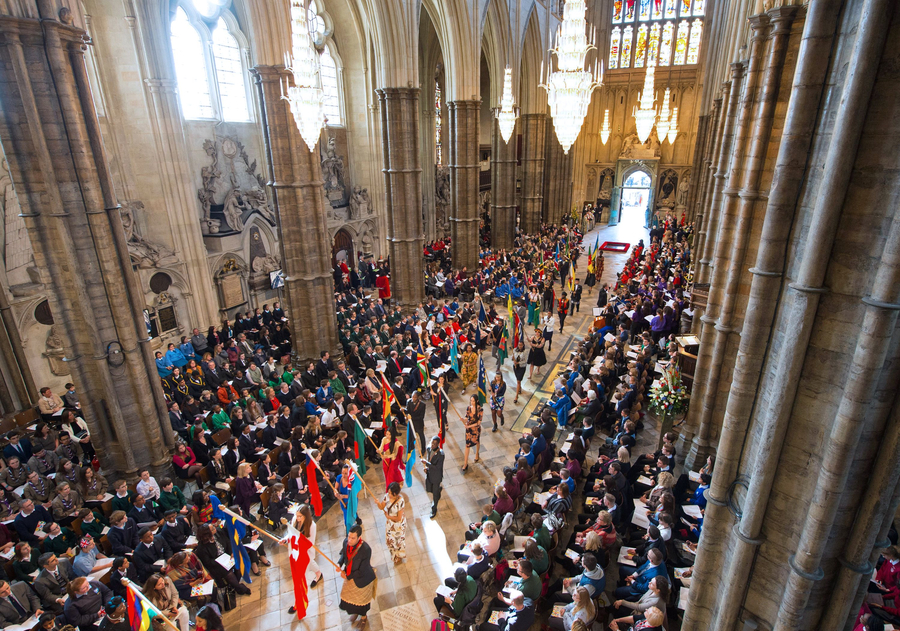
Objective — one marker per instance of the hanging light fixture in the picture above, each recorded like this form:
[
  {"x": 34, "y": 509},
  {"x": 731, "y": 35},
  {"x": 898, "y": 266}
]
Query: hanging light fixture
[
  {"x": 662, "y": 121},
  {"x": 305, "y": 96},
  {"x": 569, "y": 87},
  {"x": 645, "y": 113},
  {"x": 605, "y": 130},
  {"x": 508, "y": 112},
  {"x": 673, "y": 126}
]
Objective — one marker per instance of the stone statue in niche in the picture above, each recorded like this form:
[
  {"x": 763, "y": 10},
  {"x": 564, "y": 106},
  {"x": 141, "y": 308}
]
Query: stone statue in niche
[
  {"x": 265, "y": 264},
  {"x": 359, "y": 203},
  {"x": 255, "y": 199},
  {"x": 668, "y": 183},
  {"x": 606, "y": 181},
  {"x": 54, "y": 351},
  {"x": 683, "y": 188},
  {"x": 632, "y": 148},
  {"x": 441, "y": 201},
  {"x": 144, "y": 253},
  {"x": 333, "y": 172},
  {"x": 367, "y": 239},
  {"x": 232, "y": 208}
]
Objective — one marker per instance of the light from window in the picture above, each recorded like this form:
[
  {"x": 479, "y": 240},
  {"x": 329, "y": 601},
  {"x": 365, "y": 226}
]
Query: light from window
[
  {"x": 650, "y": 42},
  {"x": 229, "y": 74},
  {"x": 614, "y": 48},
  {"x": 640, "y": 51},
  {"x": 629, "y": 10},
  {"x": 626, "y": 47},
  {"x": 438, "y": 125},
  {"x": 328, "y": 72},
  {"x": 665, "y": 49},
  {"x": 681, "y": 43},
  {"x": 315, "y": 24},
  {"x": 190, "y": 69},
  {"x": 693, "y": 55}
]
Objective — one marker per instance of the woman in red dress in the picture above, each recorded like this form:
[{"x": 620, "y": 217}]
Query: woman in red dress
[{"x": 392, "y": 456}]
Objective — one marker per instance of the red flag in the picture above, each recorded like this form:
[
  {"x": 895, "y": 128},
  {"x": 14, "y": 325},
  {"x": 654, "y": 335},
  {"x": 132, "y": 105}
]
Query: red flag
[
  {"x": 389, "y": 399},
  {"x": 300, "y": 547},
  {"x": 516, "y": 324},
  {"x": 315, "y": 497}
]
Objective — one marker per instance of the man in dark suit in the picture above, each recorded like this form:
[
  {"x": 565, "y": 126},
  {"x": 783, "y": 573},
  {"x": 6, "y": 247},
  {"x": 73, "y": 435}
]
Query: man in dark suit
[
  {"x": 123, "y": 533},
  {"x": 17, "y": 603},
  {"x": 179, "y": 424},
  {"x": 360, "y": 570},
  {"x": 394, "y": 368},
  {"x": 18, "y": 446},
  {"x": 309, "y": 379},
  {"x": 577, "y": 288},
  {"x": 214, "y": 376},
  {"x": 26, "y": 522},
  {"x": 602, "y": 296},
  {"x": 434, "y": 472},
  {"x": 175, "y": 531},
  {"x": 50, "y": 583},
  {"x": 369, "y": 358},
  {"x": 149, "y": 551},
  {"x": 324, "y": 366}
]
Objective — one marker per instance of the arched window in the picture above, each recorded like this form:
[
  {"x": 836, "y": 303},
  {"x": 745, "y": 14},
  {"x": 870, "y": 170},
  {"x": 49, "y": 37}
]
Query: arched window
[
  {"x": 438, "y": 125},
  {"x": 191, "y": 69},
  {"x": 209, "y": 63},
  {"x": 320, "y": 30},
  {"x": 661, "y": 36}
]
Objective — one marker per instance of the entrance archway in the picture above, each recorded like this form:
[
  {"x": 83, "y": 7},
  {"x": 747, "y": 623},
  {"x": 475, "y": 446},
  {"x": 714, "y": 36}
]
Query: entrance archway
[
  {"x": 635, "y": 201},
  {"x": 342, "y": 249}
]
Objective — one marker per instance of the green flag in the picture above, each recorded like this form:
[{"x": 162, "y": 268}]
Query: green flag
[
  {"x": 359, "y": 438},
  {"x": 503, "y": 348}
]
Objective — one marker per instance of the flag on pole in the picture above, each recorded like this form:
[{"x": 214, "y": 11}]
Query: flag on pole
[
  {"x": 454, "y": 355},
  {"x": 359, "y": 447},
  {"x": 355, "y": 487},
  {"x": 410, "y": 455},
  {"x": 481, "y": 381},
  {"x": 509, "y": 307},
  {"x": 422, "y": 364},
  {"x": 482, "y": 314},
  {"x": 389, "y": 399},
  {"x": 299, "y": 558},
  {"x": 315, "y": 497},
  {"x": 516, "y": 326},
  {"x": 503, "y": 347},
  {"x": 236, "y": 532},
  {"x": 140, "y": 613},
  {"x": 556, "y": 255}
]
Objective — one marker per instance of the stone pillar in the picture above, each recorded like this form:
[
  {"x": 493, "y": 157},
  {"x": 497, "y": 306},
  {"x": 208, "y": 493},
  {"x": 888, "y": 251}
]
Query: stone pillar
[
  {"x": 300, "y": 211},
  {"x": 533, "y": 135},
  {"x": 713, "y": 329},
  {"x": 403, "y": 192},
  {"x": 557, "y": 180},
  {"x": 503, "y": 189},
  {"x": 464, "y": 169},
  {"x": 155, "y": 51},
  {"x": 699, "y": 149},
  {"x": 708, "y": 170},
  {"x": 52, "y": 141},
  {"x": 15, "y": 358}
]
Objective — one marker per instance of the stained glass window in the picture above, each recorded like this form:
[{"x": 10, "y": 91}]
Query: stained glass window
[
  {"x": 665, "y": 48},
  {"x": 626, "y": 47},
  {"x": 328, "y": 71},
  {"x": 614, "y": 48},
  {"x": 438, "y": 125},
  {"x": 681, "y": 43},
  {"x": 629, "y": 10},
  {"x": 693, "y": 51},
  {"x": 685, "y": 8},
  {"x": 653, "y": 45},
  {"x": 191, "y": 69},
  {"x": 699, "y": 6},
  {"x": 656, "y": 7},
  {"x": 671, "y": 8},
  {"x": 617, "y": 12},
  {"x": 645, "y": 10},
  {"x": 640, "y": 49}
]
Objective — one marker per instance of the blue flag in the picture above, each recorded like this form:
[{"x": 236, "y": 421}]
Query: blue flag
[
  {"x": 410, "y": 453},
  {"x": 556, "y": 255},
  {"x": 482, "y": 314},
  {"x": 236, "y": 532},
  {"x": 355, "y": 488},
  {"x": 454, "y": 355}
]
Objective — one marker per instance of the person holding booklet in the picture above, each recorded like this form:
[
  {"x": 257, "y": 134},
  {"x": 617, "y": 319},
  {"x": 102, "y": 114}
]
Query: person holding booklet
[
  {"x": 518, "y": 616},
  {"x": 581, "y": 608}
]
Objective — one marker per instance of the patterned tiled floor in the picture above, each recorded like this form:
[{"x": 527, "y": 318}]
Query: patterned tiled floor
[{"x": 430, "y": 544}]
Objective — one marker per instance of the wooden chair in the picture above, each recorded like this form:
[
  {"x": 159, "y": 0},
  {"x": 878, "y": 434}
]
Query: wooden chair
[
  {"x": 221, "y": 436},
  {"x": 9, "y": 423}
]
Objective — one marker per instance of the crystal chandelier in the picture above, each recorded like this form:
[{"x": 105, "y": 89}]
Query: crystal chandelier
[
  {"x": 673, "y": 126},
  {"x": 569, "y": 87},
  {"x": 605, "y": 130},
  {"x": 645, "y": 113},
  {"x": 662, "y": 121},
  {"x": 506, "y": 115},
  {"x": 305, "y": 96}
]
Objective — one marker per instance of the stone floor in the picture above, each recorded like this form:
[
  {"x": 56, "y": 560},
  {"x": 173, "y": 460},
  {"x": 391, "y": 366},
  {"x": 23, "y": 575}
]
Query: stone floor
[{"x": 405, "y": 592}]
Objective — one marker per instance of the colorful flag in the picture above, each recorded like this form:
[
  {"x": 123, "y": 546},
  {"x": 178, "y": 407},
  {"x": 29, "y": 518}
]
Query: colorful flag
[
  {"x": 355, "y": 487},
  {"x": 509, "y": 308},
  {"x": 516, "y": 328},
  {"x": 481, "y": 381},
  {"x": 299, "y": 558},
  {"x": 454, "y": 355},
  {"x": 315, "y": 497},
  {"x": 139, "y": 613},
  {"x": 410, "y": 455},
  {"x": 556, "y": 254},
  {"x": 389, "y": 398},
  {"x": 359, "y": 446},
  {"x": 422, "y": 364},
  {"x": 236, "y": 532},
  {"x": 503, "y": 347}
]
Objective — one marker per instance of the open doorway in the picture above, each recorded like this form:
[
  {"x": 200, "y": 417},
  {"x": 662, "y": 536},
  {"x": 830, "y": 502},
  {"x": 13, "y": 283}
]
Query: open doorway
[{"x": 636, "y": 199}]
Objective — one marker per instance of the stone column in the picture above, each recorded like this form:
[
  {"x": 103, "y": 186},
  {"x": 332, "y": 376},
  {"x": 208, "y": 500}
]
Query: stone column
[
  {"x": 300, "y": 211},
  {"x": 15, "y": 358},
  {"x": 61, "y": 175},
  {"x": 154, "y": 49},
  {"x": 699, "y": 149},
  {"x": 713, "y": 329},
  {"x": 464, "y": 169},
  {"x": 503, "y": 189},
  {"x": 557, "y": 180},
  {"x": 533, "y": 135},
  {"x": 704, "y": 170},
  {"x": 403, "y": 192}
]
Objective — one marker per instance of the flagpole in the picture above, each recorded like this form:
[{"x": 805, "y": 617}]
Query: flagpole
[
  {"x": 159, "y": 614},
  {"x": 325, "y": 475},
  {"x": 348, "y": 461},
  {"x": 451, "y": 404}
]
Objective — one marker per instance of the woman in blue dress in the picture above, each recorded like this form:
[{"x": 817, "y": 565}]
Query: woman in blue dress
[{"x": 175, "y": 357}]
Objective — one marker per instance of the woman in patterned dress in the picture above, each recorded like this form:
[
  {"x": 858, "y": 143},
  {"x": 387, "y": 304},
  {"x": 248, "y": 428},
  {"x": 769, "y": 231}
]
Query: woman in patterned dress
[
  {"x": 474, "y": 414},
  {"x": 498, "y": 399},
  {"x": 469, "y": 367},
  {"x": 395, "y": 533}
]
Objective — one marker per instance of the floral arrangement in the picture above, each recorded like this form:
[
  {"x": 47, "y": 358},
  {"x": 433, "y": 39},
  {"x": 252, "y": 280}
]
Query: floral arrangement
[{"x": 668, "y": 396}]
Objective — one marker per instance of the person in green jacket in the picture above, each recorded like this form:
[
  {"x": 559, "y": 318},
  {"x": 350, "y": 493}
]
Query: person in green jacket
[
  {"x": 91, "y": 523},
  {"x": 171, "y": 497},
  {"x": 464, "y": 594},
  {"x": 541, "y": 532},
  {"x": 59, "y": 540},
  {"x": 218, "y": 419},
  {"x": 488, "y": 514},
  {"x": 123, "y": 499},
  {"x": 531, "y": 582}
]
